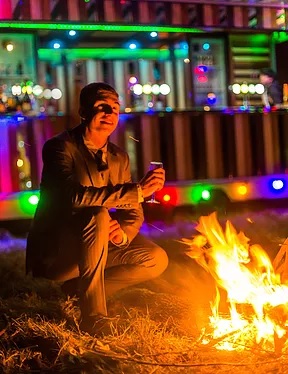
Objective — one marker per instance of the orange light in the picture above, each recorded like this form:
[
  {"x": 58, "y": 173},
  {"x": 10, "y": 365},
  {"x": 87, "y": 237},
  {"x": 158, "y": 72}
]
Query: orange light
[
  {"x": 242, "y": 190},
  {"x": 166, "y": 197}
]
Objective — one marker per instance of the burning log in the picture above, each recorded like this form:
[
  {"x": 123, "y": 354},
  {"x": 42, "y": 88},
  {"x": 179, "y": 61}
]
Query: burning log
[
  {"x": 246, "y": 273},
  {"x": 280, "y": 262}
]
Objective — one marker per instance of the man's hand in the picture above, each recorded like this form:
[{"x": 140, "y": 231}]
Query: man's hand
[
  {"x": 116, "y": 234},
  {"x": 153, "y": 181}
]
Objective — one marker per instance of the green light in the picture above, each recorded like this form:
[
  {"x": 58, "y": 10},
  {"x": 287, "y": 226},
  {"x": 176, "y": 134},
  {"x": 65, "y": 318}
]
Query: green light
[
  {"x": 28, "y": 201},
  {"x": 94, "y": 27},
  {"x": 196, "y": 193},
  {"x": 33, "y": 200},
  {"x": 259, "y": 39},
  {"x": 280, "y": 36},
  {"x": 251, "y": 50},
  {"x": 206, "y": 195},
  {"x": 46, "y": 54},
  {"x": 251, "y": 58}
]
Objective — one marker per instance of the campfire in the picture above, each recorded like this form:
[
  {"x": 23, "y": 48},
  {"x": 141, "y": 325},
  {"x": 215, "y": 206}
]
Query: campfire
[{"x": 254, "y": 287}]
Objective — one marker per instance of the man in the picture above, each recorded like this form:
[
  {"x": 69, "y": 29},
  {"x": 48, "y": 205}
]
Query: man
[
  {"x": 273, "y": 94},
  {"x": 75, "y": 234}
]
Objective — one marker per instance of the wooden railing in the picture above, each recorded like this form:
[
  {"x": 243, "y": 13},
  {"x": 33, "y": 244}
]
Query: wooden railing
[{"x": 202, "y": 14}]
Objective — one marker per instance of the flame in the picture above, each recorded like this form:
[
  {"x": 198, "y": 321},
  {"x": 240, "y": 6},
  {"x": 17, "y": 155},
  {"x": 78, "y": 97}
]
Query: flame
[{"x": 247, "y": 275}]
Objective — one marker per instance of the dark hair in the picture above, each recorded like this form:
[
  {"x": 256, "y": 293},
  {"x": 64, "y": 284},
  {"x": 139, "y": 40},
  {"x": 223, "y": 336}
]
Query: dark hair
[
  {"x": 269, "y": 72},
  {"x": 92, "y": 92}
]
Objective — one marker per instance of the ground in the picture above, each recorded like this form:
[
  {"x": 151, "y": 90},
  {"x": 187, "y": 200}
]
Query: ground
[{"x": 159, "y": 325}]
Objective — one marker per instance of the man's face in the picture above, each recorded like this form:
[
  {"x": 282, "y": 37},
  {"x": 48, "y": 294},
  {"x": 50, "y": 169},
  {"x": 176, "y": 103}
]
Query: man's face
[
  {"x": 265, "y": 79},
  {"x": 106, "y": 113}
]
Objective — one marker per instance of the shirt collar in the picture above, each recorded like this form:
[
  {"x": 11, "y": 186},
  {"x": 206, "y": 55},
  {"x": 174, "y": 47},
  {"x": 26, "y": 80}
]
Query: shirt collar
[{"x": 91, "y": 146}]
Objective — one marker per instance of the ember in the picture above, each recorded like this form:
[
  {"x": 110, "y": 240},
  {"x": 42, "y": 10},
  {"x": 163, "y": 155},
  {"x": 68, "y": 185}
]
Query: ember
[{"x": 258, "y": 300}]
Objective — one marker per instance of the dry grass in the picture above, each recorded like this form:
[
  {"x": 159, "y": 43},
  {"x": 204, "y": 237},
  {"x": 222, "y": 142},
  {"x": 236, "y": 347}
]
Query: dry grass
[{"x": 159, "y": 326}]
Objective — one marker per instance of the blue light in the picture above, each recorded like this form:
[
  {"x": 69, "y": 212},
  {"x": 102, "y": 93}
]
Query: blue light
[
  {"x": 56, "y": 45},
  {"x": 132, "y": 46},
  {"x": 277, "y": 184},
  {"x": 206, "y": 46},
  {"x": 153, "y": 34},
  {"x": 211, "y": 100},
  {"x": 72, "y": 33},
  {"x": 183, "y": 45}
]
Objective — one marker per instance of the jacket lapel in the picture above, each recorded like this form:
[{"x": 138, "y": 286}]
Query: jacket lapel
[
  {"x": 90, "y": 164},
  {"x": 113, "y": 164}
]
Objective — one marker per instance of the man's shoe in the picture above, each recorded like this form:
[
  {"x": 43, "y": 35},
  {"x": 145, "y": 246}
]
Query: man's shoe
[
  {"x": 71, "y": 287},
  {"x": 98, "y": 325}
]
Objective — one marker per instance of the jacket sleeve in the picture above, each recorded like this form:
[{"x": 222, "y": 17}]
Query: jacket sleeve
[
  {"x": 59, "y": 179},
  {"x": 276, "y": 94}
]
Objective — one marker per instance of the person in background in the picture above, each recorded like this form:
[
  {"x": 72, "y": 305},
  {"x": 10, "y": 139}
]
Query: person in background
[
  {"x": 273, "y": 94},
  {"x": 86, "y": 226}
]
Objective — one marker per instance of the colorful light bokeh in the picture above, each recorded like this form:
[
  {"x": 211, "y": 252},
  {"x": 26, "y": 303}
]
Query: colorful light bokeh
[{"x": 23, "y": 204}]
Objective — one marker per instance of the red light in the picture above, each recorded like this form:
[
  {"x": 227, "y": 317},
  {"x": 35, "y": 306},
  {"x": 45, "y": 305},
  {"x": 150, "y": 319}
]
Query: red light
[
  {"x": 168, "y": 195},
  {"x": 166, "y": 198},
  {"x": 202, "y": 79}
]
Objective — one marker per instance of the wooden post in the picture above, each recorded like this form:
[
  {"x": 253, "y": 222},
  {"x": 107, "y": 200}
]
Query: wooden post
[
  {"x": 182, "y": 146},
  {"x": 213, "y": 146}
]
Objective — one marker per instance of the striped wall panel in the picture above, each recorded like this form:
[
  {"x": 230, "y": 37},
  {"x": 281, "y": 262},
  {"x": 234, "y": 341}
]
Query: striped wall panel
[
  {"x": 197, "y": 145},
  {"x": 191, "y": 145},
  {"x": 248, "y": 54}
]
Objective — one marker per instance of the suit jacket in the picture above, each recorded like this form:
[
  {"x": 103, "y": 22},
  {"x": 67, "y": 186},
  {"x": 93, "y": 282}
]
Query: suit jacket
[
  {"x": 70, "y": 182},
  {"x": 275, "y": 93}
]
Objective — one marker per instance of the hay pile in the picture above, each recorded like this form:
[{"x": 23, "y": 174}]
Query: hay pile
[{"x": 159, "y": 329}]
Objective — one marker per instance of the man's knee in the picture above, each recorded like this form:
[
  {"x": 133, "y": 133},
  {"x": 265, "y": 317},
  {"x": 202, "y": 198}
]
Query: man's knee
[{"x": 159, "y": 260}]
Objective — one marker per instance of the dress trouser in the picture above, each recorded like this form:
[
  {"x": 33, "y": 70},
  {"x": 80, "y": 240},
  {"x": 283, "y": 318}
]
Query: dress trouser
[{"x": 84, "y": 252}]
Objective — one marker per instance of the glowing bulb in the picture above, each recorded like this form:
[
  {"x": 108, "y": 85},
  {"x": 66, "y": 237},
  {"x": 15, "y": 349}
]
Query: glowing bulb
[
  {"x": 236, "y": 88},
  {"x": 9, "y": 47},
  {"x": 251, "y": 88},
  {"x": 164, "y": 89},
  {"x": 29, "y": 90},
  {"x": 206, "y": 46},
  {"x": 16, "y": 90},
  {"x": 259, "y": 89},
  {"x": 72, "y": 32},
  {"x": 166, "y": 198},
  {"x": 47, "y": 93},
  {"x": 242, "y": 190},
  {"x": 153, "y": 34},
  {"x": 132, "y": 80},
  {"x": 137, "y": 89},
  {"x": 147, "y": 89},
  {"x": 56, "y": 45},
  {"x": 132, "y": 46},
  {"x": 56, "y": 93},
  {"x": 277, "y": 184},
  {"x": 20, "y": 162},
  {"x": 37, "y": 90},
  {"x": 155, "y": 89},
  {"x": 33, "y": 199},
  {"x": 206, "y": 195},
  {"x": 244, "y": 88}
]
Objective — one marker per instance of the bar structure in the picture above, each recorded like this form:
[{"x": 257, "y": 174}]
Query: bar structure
[
  {"x": 185, "y": 113},
  {"x": 192, "y": 145}
]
